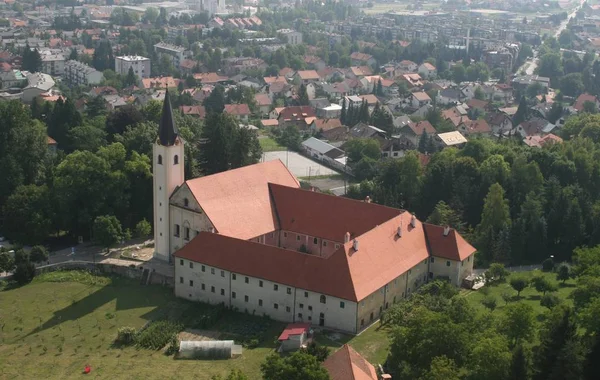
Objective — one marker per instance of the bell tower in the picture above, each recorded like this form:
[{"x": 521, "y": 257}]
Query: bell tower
[{"x": 168, "y": 174}]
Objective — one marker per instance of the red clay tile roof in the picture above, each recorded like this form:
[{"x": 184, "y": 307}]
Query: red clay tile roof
[
  {"x": 296, "y": 113},
  {"x": 476, "y": 126},
  {"x": 361, "y": 56},
  {"x": 51, "y": 141},
  {"x": 324, "y": 216},
  {"x": 476, "y": 103},
  {"x": 422, "y": 126},
  {"x": 238, "y": 202},
  {"x": 262, "y": 100},
  {"x": 327, "y": 124},
  {"x": 198, "y": 111},
  {"x": 308, "y": 74},
  {"x": 347, "y": 364},
  {"x": 582, "y": 99},
  {"x": 452, "y": 246},
  {"x": 237, "y": 109},
  {"x": 294, "y": 329}
]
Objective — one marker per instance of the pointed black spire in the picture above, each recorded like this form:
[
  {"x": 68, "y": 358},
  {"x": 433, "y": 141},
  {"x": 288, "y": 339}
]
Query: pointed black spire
[{"x": 167, "y": 130}]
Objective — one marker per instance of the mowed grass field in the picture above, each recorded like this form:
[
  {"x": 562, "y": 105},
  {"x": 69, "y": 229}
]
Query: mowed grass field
[{"x": 51, "y": 330}]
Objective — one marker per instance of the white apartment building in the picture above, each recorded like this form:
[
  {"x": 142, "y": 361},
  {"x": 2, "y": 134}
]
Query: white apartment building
[
  {"x": 140, "y": 65},
  {"x": 177, "y": 53},
  {"x": 293, "y": 37},
  {"x": 53, "y": 64},
  {"x": 80, "y": 74}
]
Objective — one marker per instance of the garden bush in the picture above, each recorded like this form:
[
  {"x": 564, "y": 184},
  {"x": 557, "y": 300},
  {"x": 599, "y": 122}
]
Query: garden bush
[
  {"x": 173, "y": 346},
  {"x": 158, "y": 334},
  {"x": 125, "y": 335}
]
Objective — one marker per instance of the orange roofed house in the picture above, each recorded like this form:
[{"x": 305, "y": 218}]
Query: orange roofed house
[{"x": 250, "y": 238}]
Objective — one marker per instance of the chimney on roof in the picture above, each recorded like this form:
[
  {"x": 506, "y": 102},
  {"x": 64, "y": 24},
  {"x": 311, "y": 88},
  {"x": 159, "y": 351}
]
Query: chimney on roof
[
  {"x": 355, "y": 244},
  {"x": 413, "y": 220},
  {"x": 347, "y": 237},
  {"x": 446, "y": 230},
  {"x": 212, "y": 230},
  {"x": 368, "y": 199},
  {"x": 399, "y": 231}
]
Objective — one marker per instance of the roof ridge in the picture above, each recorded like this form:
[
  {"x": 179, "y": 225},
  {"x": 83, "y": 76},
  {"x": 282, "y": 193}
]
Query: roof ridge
[{"x": 350, "y": 361}]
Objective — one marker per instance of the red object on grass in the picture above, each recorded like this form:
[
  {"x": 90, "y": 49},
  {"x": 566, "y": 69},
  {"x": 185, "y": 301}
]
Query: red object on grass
[{"x": 87, "y": 369}]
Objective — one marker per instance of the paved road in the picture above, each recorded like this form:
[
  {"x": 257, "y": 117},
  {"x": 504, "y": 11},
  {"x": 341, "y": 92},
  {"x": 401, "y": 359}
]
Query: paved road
[{"x": 531, "y": 64}]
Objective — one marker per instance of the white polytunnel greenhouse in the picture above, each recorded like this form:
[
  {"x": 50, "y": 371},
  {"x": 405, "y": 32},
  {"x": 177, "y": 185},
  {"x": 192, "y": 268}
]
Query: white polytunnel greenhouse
[{"x": 210, "y": 349}]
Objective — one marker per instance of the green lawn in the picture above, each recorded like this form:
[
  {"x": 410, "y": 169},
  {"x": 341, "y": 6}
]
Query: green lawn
[
  {"x": 269, "y": 145},
  {"x": 529, "y": 295},
  {"x": 62, "y": 321}
]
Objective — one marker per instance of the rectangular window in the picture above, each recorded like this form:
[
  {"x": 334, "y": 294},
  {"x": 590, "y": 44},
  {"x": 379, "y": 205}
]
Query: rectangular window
[
  {"x": 287, "y": 309},
  {"x": 315, "y": 241},
  {"x": 300, "y": 315},
  {"x": 246, "y": 298},
  {"x": 259, "y": 302},
  {"x": 203, "y": 287},
  {"x": 181, "y": 262},
  {"x": 187, "y": 233},
  {"x": 285, "y": 234},
  {"x": 305, "y": 294},
  {"x": 432, "y": 259},
  {"x": 191, "y": 265},
  {"x": 448, "y": 263},
  {"x": 298, "y": 237},
  {"x": 260, "y": 283},
  {"x": 275, "y": 287},
  {"x": 212, "y": 289},
  {"x": 181, "y": 280},
  {"x": 233, "y": 294},
  {"x": 212, "y": 270},
  {"x": 222, "y": 291},
  {"x": 362, "y": 304},
  {"x": 191, "y": 283},
  {"x": 309, "y": 308},
  {"x": 176, "y": 230},
  {"x": 409, "y": 271},
  {"x": 309, "y": 318},
  {"x": 222, "y": 273},
  {"x": 275, "y": 306},
  {"x": 337, "y": 246},
  {"x": 247, "y": 280},
  {"x": 324, "y": 243},
  {"x": 203, "y": 268},
  {"x": 301, "y": 306},
  {"x": 342, "y": 304},
  {"x": 233, "y": 277},
  {"x": 289, "y": 290}
]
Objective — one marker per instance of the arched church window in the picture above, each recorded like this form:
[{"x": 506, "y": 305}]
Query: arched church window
[
  {"x": 176, "y": 160},
  {"x": 160, "y": 159}
]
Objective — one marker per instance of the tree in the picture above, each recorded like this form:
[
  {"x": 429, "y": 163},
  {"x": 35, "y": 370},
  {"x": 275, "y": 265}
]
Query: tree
[
  {"x": 235, "y": 374},
  {"x": 490, "y": 358},
  {"x": 150, "y": 15},
  {"x": 442, "y": 368},
  {"x": 459, "y": 73},
  {"x": 548, "y": 265},
  {"x": 424, "y": 142},
  {"x": 550, "y": 65},
  {"x": 522, "y": 113},
  {"x": 558, "y": 331},
  {"x": 590, "y": 107},
  {"x": 303, "y": 95},
  {"x": 542, "y": 284},
  {"x": 496, "y": 274},
  {"x": 7, "y": 263},
  {"x": 444, "y": 215},
  {"x": 74, "y": 55},
  {"x": 31, "y": 59},
  {"x": 215, "y": 102},
  {"x": 107, "y": 231},
  {"x": 490, "y": 302},
  {"x": 379, "y": 90},
  {"x": 592, "y": 369},
  {"x": 123, "y": 117},
  {"x": 381, "y": 119},
  {"x": 290, "y": 137},
  {"x": 24, "y": 272},
  {"x": 103, "y": 56},
  {"x": 479, "y": 94},
  {"x": 518, "y": 322},
  {"x": 143, "y": 229},
  {"x": 518, "y": 283},
  {"x": 343, "y": 114},
  {"x": 572, "y": 84},
  {"x": 563, "y": 272},
  {"x": 28, "y": 215},
  {"x": 297, "y": 366},
  {"x": 38, "y": 254},
  {"x": 318, "y": 351},
  {"x": 519, "y": 366},
  {"x": 550, "y": 300},
  {"x": 494, "y": 218},
  {"x": 131, "y": 78}
]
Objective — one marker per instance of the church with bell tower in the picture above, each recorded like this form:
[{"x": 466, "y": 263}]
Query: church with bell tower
[{"x": 168, "y": 175}]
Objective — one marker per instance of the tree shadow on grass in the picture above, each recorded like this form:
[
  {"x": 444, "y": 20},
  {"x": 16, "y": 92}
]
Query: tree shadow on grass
[
  {"x": 535, "y": 297},
  {"x": 126, "y": 298}
]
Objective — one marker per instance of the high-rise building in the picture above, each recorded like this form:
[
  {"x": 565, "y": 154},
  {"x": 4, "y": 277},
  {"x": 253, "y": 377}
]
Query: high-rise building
[{"x": 140, "y": 65}]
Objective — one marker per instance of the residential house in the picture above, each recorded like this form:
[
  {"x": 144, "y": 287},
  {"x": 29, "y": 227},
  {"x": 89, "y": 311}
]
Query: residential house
[
  {"x": 499, "y": 122},
  {"x": 448, "y": 96},
  {"x": 411, "y": 80},
  {"x": 196, "y": 111},
  {"x": 307, "y": 76},
  {"x": 453, "y": 138},
  {"x": 160, "y": 82},
  {"x": 240, "y": 111},
  {"x": 291, "y": 36},
  {"x": 583, "y": 98},
  {"x": 324, "y": 152},
  {"x": 53, "y": 64},
  {"x": 520, "y": 83},
  {"x": 323, "y": 125},
  {"x": 299, "y": 116},
  {"x": 472, "y": 127},
  {"x": 362, "y": 59},
  {"x": 314, "y": 63},
  {"x": 174, "y": 52},
  {"x": 419, "y": 99},
  {"x": 347, "y": 364},
  {"x": 274, "y": 114},
  {"x": 359, "y": 72},
  {"x": 79, "y": 74},
  {"x": 12, "y": 78},
  {"x": 336, "y": 90},
  {"x": 264, "y": 103},
  {"x": 140, "y": 65},
  {"x": 295, "y": 336},
  {"x": 537, "y": 141},
  {"x": 534, "y": 126},
  {"x": 407, "y": 66},
  {"x": 480, "y": 105},
  {"x": 37, "y": 84},
  {"x": 396, "y": 147},
  {"x": 427, "y": 70},
  {"x": 414, "y": 131}
]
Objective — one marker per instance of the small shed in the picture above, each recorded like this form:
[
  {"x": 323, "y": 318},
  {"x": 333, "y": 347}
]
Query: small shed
[
  {"x": 295, "y": 336},
  {"x": 208, "y": 349}
]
